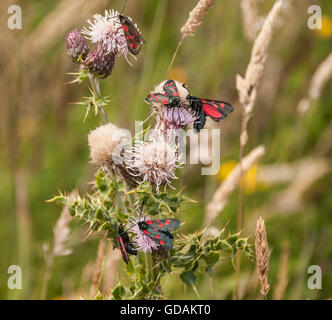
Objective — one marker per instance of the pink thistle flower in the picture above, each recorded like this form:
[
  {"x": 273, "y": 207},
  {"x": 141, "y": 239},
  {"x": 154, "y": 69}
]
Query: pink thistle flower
[
  {"x": 107, "y": 31},
  {"x": 178, "y": 117},
  {"x": 173, "y": 117},
  {"x": 141, "y": 240}
]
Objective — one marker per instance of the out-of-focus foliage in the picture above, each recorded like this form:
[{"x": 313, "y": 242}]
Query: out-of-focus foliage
[{"x": 44, "y": 142}]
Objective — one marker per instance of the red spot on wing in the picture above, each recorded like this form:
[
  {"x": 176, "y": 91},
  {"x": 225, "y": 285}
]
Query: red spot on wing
[
  {"x": 212, "y": 111},
  {"x": 160, "y": 225},
  {"x": 168, "y": 221},
  {"x": 157, "y": 236},
  {"x": 155, "y": 229},
  {"x": 162, "y": 242},
  {"x": 165, "y": 101},
  {"x": 149, "y": 222},
  {"x": 146, "y": 231}
]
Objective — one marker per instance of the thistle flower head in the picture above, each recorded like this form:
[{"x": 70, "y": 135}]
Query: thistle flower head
[
  {"x": 77, "y": 46},
  {"x": 100, "y": 62},
  {"x": 107, "y": 144},
  {"x": 107, "y": 31},
  {"x": 141, "y": 240},
  {"x": 155, "y": 161},
  {"x": 176, "y": 117}
]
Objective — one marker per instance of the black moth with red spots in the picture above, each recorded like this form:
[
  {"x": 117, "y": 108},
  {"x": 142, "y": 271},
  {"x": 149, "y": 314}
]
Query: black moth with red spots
[
  {"x": 125, "y": 245},
  {"x": 133, "y": 36},
  {"x": 159, "y": 231},
  {"x": 215, "y": 109}
]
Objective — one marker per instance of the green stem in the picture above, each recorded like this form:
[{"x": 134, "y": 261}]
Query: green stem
[{"x": 95, "y": 84}]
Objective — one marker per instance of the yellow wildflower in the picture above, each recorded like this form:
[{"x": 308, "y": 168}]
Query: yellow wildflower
[
  {"x": 326, "y": 30},
  {"x": 250, "y": 182}
]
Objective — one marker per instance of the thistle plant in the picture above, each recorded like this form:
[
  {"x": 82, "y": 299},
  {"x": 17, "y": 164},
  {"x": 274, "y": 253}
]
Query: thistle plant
[{"x": 133, "y": 182}]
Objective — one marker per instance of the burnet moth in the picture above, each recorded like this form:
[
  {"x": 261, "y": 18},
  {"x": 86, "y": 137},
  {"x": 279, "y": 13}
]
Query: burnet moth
[
  {"x": 133, "y": 36},
  {"x": 215, "y": 109},
  {"x": 125, "y": 245}
]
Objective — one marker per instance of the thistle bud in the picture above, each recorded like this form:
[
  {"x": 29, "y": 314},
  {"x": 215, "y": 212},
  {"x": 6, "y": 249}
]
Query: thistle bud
[
  {"x": 77, "y": 46},
  {"x": 100, "y": 62}
]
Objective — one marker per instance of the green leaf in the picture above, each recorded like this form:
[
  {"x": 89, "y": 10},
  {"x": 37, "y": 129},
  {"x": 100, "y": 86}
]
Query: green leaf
[
  {"x": 210, "y": 271},
  {"x": 212, "y": 258},
  {"x": 189, "y": 278},
  {"x": 118, "y": 292}
]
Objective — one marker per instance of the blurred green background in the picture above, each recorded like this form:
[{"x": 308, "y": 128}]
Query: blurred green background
[{"x": 44, "y": 142}]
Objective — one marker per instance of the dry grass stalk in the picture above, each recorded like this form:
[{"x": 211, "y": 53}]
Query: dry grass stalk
[
  {"x": 283, "y": 273},
  {"x": 250, "y": 18},
  {"x": 98, "y": 268},
  {"x": 247, "y": 86},
  {"x": 222, "y": 194},
  {"x": 247, "y": 89},
  {"x": 292, "y": 199},
  {"x": 112, "y": 266},
  {"x": 61, "y": 236},
  {"x": 262, "y": 256},
  {"x": 286, "y": 172},
  {"x": 324, "y": 142},
  {"x": 196, "y": 17},
  {"x": 321, "y": 76},
  {"x": 23, "y": 220}
]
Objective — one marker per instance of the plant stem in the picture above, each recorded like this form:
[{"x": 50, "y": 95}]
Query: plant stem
[
  {"x": 239, "y": 211},
  {"x": 46, "y": 276},
  {"x": 174, "y": 55},
  {"x": 95, "y": 84}
]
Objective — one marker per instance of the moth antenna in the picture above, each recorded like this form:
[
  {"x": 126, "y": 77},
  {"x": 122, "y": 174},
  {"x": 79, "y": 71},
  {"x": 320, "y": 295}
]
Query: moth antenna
[
  {"x": 140, "y": 213},
  {"x": 124, "y": 6},
  {"x": 139, "y": 216}
]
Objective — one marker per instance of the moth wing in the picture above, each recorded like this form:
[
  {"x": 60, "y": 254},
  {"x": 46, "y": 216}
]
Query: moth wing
[
  {"x": 162, "y": 239},
  {"x": 158, "y": 98},
  {"x": 171, "y": 89},
  {"x": 123, "y": 250},
  {"x": 216, "y": 109},
  {"x": 132, "y": 35},
  {"x": 163, "y": 224}
]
